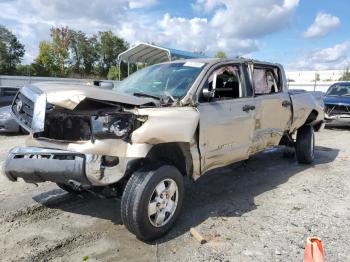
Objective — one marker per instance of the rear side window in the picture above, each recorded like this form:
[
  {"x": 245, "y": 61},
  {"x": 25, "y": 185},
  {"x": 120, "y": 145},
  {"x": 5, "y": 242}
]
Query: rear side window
[{"x": 266, "y": 81}]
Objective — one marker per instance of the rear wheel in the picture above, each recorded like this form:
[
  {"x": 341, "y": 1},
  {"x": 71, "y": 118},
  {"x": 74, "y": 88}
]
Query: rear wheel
[
  {"x": 152, "y": 200},
  {"x": 305, "y": 145}
]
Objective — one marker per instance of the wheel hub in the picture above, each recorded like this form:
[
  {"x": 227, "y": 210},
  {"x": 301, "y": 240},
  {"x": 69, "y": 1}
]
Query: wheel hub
[{"x": 163, "y": 202}]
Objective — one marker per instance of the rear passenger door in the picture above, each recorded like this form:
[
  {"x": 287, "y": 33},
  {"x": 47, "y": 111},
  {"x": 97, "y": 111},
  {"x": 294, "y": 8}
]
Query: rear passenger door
[
  {"x": 227, "y": 120},
  {"x": 273, "y": 107}
]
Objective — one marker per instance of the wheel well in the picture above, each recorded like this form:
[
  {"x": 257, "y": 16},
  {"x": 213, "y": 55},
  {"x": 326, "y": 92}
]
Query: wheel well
[
  {"x": 312, "y": 117},
  {"x": 177, "y": 154}
]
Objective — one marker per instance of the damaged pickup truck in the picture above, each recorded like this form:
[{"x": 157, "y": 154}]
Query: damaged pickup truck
[{"x": 161, "y": 124}]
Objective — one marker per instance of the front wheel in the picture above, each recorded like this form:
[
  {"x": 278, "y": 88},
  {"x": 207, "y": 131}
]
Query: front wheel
[
  {"x": 152, "y": 200},
  {"x": 305, "y": 145}
]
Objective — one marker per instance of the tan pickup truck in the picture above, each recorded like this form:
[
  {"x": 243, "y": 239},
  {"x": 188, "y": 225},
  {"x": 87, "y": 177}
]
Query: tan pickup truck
[{"x": 162, "y": 123}]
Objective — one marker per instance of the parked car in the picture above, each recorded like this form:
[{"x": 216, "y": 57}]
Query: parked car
[
  {"x": 164, "y": 122},
  {"x": 337, "y": 104},
  {"x": 106, "y": 84},
  {"x": 7, "y": 122},
  {"x": 7, "y": 94}
]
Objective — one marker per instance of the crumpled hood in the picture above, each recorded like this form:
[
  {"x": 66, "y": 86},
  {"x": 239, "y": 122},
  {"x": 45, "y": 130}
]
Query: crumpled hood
[
  {"x": 337, "y": 100},
  {"x": 70, "y": 95}
]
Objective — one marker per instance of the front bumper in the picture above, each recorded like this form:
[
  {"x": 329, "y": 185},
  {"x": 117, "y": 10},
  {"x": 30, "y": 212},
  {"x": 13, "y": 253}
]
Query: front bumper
[
  {"x": 36, "y": 165},
  {"x": 337, "y": 119}
]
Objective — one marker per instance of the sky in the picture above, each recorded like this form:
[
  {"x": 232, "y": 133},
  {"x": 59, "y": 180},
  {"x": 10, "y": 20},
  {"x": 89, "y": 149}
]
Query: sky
[{"x": 300, "y": 34}]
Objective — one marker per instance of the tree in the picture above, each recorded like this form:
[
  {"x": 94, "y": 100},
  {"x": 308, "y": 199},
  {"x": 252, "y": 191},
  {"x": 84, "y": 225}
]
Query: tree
[
  {"x": 220, "y": 54},
  {"x": 109, "y": 47},
  {"x": 11, "y": 51},
  {"x": 83, "y": 52},
  {"x": 113, "y": 73},
  {"x": 346, "y": 75},
  {"x": 25, "y": 70},
  {"x": 45, "y": 63},
  {"x": 60, "y": 43}
]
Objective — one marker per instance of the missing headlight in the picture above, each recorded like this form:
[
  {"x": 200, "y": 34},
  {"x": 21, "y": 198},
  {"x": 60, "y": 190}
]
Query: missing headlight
[{"x": 111, "y": 126}]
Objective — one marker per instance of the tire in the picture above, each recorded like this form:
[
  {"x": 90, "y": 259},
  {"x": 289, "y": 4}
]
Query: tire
[
  {"x": 305, "y": 145},
  {"x": 140, "y": 196}
]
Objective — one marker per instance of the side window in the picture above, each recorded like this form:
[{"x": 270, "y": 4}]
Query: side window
[
  {"x": 227, "y": 81},
  {"x": 266, "y": 81}
]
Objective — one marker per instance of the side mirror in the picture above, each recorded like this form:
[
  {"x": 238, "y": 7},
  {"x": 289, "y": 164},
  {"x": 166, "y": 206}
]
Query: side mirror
[{"x": 208, "y": 94}]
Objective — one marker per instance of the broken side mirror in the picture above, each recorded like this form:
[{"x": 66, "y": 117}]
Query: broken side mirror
[
  {"x": 207, "y": 93},
  {"x": 210, "y": 92}
]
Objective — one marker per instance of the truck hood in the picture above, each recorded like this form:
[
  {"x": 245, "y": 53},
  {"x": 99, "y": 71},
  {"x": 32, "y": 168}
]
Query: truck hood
[
  {"x": 337, "y": 100},
  {"x": 69, "y": 96}
]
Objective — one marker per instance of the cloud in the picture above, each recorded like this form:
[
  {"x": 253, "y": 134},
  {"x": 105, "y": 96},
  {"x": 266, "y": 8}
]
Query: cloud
[
  {"x": 143, "y": 3},
  {"x": 336, "y": 57},
  {"x": 235, "y": 27},
  {"x": 324, "y": 23},
  {"x": 232, "y": 26},
  {"x": 252, "y": 18}
]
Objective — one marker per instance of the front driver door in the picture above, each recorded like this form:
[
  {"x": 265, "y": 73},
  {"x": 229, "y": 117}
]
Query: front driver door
[{"x": 227, "y": 121}]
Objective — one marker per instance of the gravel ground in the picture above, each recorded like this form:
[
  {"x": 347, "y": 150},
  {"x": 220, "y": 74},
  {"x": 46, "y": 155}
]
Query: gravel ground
[{"x": 260, "y": 211}]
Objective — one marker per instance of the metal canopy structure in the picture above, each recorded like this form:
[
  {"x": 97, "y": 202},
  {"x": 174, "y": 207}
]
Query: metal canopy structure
[{"x": 152, "y": 54}]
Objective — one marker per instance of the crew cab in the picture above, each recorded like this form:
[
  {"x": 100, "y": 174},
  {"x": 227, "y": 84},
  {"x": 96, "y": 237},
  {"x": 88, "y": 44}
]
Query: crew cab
[{"x": 161, "y": 124}]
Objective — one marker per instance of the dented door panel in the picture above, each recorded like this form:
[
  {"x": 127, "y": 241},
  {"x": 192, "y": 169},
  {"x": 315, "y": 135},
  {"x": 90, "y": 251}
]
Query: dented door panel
[
  {"x": 273, "y": 118},
  {"x": 225, "y": 132}
]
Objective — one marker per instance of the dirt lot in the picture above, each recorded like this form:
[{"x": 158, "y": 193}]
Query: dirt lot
[{"x": 260, "y": 211}]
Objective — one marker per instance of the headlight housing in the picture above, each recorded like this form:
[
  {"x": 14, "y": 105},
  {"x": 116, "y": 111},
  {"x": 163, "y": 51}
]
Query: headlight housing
[{"x": 115, "y": 126}]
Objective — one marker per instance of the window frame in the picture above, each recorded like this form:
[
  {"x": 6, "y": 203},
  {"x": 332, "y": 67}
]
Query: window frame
[
  {"x": 245, "y": 85},
  {"x": 268, "y": 68}
]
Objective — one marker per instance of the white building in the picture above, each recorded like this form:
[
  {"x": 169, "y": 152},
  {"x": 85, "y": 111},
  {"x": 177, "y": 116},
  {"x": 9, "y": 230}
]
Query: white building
[
  {"x": 310, "y": 76},
  {"x": 306, "y": 79}
]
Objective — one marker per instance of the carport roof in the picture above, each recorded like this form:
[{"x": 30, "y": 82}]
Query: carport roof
[{"x": 152, "y": 54}]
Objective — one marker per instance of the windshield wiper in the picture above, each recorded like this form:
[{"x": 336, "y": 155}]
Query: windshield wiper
[{"x": 146, "y": 95}]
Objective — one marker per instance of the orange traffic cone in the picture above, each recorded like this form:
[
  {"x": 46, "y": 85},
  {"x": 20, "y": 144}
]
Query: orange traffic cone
[{"x": 314, "y": 250}]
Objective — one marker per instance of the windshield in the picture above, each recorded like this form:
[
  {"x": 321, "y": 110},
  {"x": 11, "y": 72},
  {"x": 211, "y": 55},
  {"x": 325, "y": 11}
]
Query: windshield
[
  {"x": 339, "y": 90},
  {"x": 172, "y": 79}
]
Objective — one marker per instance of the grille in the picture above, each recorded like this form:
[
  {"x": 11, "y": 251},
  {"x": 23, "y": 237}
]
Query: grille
[
  {"x": 23, "y": 108},
  {"x": 337, "y": 109}
]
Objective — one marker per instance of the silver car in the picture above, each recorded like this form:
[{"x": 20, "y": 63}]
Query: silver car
[{"x": 7, "y": 123}]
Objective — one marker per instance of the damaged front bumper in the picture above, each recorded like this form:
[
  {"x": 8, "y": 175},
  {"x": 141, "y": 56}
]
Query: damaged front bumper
[
  {"x": 36, "y": 165},
  {"x": 340, "y": 119}
]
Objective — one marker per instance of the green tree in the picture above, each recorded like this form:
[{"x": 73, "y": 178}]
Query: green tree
[
  {"x": 25, "y": 70},
  {"x": 221, "y": 54},
  {"x": 83, "y": 52},
  {"x": 60, "y": 43},
  {"x": 113, "y": 73},
  {"x": 46, "y": 62},
  {"x": 11, "y": 51},
  {"x": 346, "y": 75},
  {"x": 109, "y": 47}
]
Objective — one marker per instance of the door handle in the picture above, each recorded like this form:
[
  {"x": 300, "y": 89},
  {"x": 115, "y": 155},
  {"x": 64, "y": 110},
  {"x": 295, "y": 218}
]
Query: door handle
[
  {"x": 247, "y": 108},
  {"x": 286, "y": 103}
]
